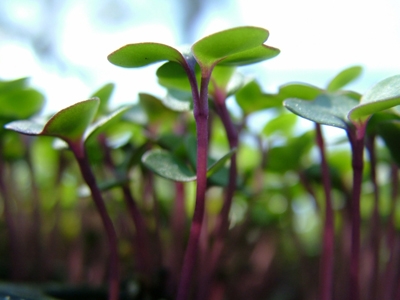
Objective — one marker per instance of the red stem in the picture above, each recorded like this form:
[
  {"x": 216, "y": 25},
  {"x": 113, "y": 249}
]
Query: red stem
[
  {"x": 142, "y": 240},
  {"x": 13, "y": 245},
  {"x": 201, "y": 118},
  {"x": 326, "y": 266},
  {"x": 356, "y": 138},
  {"x": 375, "y": 228},
  {"x": 222, "y": 225},
  {"x": 88, "y": 176}
]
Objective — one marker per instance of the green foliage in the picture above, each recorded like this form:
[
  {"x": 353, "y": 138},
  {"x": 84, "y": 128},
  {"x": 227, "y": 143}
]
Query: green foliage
[
  {"x": 327, "y": 109},
  {"x": 343, "y": 78},
  {"x": 237, "y": 46},
  {"x": 69, "y": 124},
  {"x": 143, "y": 54},
  {"x": 264, "y": 194}
]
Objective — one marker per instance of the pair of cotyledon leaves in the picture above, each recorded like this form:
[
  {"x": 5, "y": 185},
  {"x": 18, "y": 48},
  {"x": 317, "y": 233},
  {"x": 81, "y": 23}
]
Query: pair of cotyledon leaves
[
  {"x": 345, "y": 109},
  {"x": 237, "y": 46},
  {"x": 233, "y": 47}
]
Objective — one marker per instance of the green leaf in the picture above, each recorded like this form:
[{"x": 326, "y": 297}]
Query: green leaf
[
  {"x": 178, "y": 101},
  {"x": 300, "y": 91},
  {"x": 69, "y": 124},
  {"x": 221, "y": 77},
  {"x": 27, "y": 127},
  {"x": 170, "y": 166},
  {"x": 172, "y": 75},
  {"x": 166, "y": 165},
  {"x": 218, "y": 164},
  {"x": 143, "y": 54},
  {"x": 384, "y": 95},
  {"x": 252, "y": 56},
  {"x": 20, "y": 104},
  {"x": 11, "y": 85},
  {"x": 105, "y": 122},
  {"x": 214, "y": 48},
  {"x": 289, "y": 157},
  {"x": 377, "y": 118},
  {"x": 136, "y": 115},
  {"x": 250, "y": 98},
  {"x": 104, "y": 94},
  {"x": 344, "y": 77},
  {"x": 155, "y": 109},
  {"x": 390, "y": 132},
  {"x": 226, "y": 79},
  {"x": 327, "y": 109},
  {"x": 284, "y": 123}
]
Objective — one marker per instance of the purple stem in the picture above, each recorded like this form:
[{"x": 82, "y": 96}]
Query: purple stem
[
  {"x": 201, "y": 118},
  {"x": 13, "y": 248},
  {"x": 178, "y": 230},
  {"x": 326, "y": 266},
  {"x": 222, "y": 225},
  {"x": 40, "y": 262},
  {"x": 356, "y": 138},
  {"x": 87, "y": 174},
  {"x": 142, "y": 241},
  {"x": 375, "y": 228},
  {"x": 390, "y": 270}
]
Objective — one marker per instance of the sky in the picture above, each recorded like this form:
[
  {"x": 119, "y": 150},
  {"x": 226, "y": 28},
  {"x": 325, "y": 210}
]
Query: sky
[{"x": 317, "y": 39}]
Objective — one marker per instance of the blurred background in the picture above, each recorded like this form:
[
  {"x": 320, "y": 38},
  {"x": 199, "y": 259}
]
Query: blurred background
[{"x": 62, "y": 45}]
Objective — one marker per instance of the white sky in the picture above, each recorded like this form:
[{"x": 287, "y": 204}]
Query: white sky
[{"x": 316, "y": 38}]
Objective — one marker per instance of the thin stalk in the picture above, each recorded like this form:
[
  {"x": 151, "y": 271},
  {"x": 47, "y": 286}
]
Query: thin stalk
[
  {"x": 375, "y": 228},
  {"x": 201, "y": 118},
  {"x": 326, "y": 266},
  {"x": 142, "y": 240},
  {"x": 178, "y": 221},
  {"x": 222, "y": 225},
  {"x": 88, "y": 176},
  {"x": 308, "y": 187},
  {"x": 356, "y": 138},
  {"x": 392, "y": 242},
  {"x": 13, "y": 246},
  {"x": 40, "y": 262}
]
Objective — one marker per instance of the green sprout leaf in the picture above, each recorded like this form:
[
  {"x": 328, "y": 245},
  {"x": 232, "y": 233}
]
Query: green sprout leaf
[
  {"x": 230, "y": 45},
  {"x": 105, "y": 122},
  {"x": 218, "y": 164},
  {"x": 143, "y": 54},
  {"x": 250, "y": 98},
  {"x": 226, "y": 79},
  {"x": 327, "y": 109},
  {"x": 104, "y": 94},
  {"x": 15, "y": 84},
  {"x": 384, "y": 95},
  {"x": 252, "y": 56},
  {"x": 155, "y": 109},
  {"x": 300, "y": 91},
  {"x": 172, "y": 75},
  {"x": 68, "y": 124},
  {"x": 283, "y": 123},
  {"x": 178, "y": 101},
  {"x": 390, "y": 133},
  {"x": 344, "y": 77},
  {"x": 167, "y": 165},
  {"x": 20, "y": 104},
  {"x": 282, "y": 159}
]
